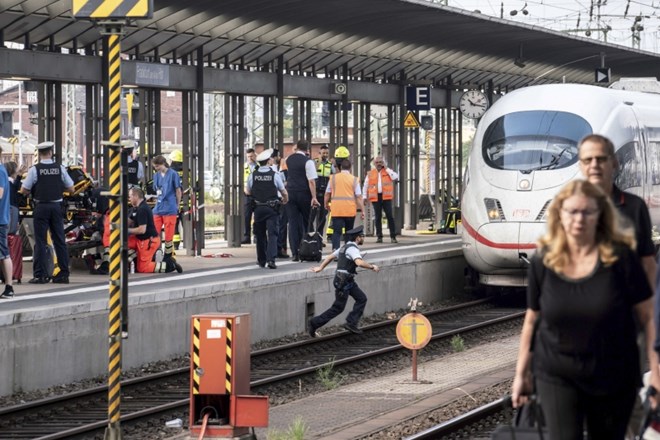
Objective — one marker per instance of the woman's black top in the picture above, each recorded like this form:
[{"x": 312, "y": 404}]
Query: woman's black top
[{"x": 586, "y": 336}]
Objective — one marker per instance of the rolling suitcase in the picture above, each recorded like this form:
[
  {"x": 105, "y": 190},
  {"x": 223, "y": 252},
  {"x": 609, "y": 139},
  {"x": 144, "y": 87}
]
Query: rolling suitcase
[{"x": 311, "y": 244}]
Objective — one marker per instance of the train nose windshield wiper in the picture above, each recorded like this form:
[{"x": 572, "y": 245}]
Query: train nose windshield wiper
[{"x": 554, "y": 163}]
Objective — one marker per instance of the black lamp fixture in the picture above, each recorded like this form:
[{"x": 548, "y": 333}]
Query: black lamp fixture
[
  {"x": 522, "y": 10},
  {"x": 520, "y": 60}
]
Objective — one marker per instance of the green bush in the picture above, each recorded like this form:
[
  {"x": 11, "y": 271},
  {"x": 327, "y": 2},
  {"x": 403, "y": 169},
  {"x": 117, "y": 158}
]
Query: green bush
[
  {"x": 296, "y": 431},
  {"x": 457, "y": 343}
]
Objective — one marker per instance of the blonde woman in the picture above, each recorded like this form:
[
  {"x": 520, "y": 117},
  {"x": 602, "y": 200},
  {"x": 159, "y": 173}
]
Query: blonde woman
[{"x": 585, "y": 284}]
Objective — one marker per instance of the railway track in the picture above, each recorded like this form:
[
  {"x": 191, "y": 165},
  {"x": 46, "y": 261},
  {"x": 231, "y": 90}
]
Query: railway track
[
  {"x": 476, "y": 424},
  {"x": 82, "y": 414}
]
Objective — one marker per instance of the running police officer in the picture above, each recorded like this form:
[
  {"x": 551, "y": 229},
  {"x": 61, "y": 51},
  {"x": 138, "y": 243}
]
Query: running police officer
[
  {"x": 47, "y": 181},
  {"x": 262, "y": 188},
  {"x": 348, "y": 259}
]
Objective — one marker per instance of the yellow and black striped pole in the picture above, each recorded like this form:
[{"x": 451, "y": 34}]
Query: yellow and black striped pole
[
  {"x": 113, "y": 430},
  {"x": 112, "y": 15}
]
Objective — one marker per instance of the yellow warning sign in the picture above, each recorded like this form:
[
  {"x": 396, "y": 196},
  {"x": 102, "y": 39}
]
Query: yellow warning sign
[
  {"x": 414, "y": 331},
  {"x": 103, "y": 9},
  {"x": 411, "y": 120}
]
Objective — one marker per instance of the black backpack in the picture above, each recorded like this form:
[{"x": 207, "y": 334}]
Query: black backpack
[{"x": 311, "y": 244}]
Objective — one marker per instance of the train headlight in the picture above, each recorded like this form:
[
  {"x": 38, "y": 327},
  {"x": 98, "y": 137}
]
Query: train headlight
[
  {"x": 494, "y": 210},
  {"x": 524, "y": 185}
]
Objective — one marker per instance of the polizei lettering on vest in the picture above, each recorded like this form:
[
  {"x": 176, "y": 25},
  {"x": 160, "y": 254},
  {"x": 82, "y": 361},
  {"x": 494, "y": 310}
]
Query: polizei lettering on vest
[
  {"x": 49, "y": 171},
  {"x": 262, "y": 178}
]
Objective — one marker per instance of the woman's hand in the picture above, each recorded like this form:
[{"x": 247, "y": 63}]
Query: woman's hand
[{"x": 521, "y": 390}]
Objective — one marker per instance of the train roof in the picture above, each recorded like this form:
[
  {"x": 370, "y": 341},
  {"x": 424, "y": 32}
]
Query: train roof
[{"x": 574, "y": 98}]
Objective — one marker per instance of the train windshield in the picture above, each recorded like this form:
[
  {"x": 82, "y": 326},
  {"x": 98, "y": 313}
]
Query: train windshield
[{"x": 534, "y": 140}]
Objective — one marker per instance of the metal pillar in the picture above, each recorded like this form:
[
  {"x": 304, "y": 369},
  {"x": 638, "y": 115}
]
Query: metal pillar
[
  {"x": 118, "y": 233},
  {"x": 399, "y": 160},
  {"x": 198, "y": 217},
  {"x": 234, "y": 162}
]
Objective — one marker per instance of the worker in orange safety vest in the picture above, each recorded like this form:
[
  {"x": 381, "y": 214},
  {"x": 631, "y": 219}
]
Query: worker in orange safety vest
[
  {"x": 379, "y": 190},
  {"x": 346, "y": 196}
]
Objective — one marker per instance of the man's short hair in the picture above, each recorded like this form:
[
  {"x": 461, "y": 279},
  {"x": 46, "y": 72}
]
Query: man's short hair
[
  {"x": 599, "y": 139},
  {"x": 138, "y": 192},
  {"x": 249, "y": 150},
  {"x": 345, "y": 164},
  {"x": 325, "y": 147},
  {"x": 302, "y": 145}
]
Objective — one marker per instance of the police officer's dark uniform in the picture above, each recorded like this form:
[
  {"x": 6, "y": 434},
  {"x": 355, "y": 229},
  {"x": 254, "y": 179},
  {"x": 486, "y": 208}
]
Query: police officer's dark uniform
[
  {"x": 348, "y": 259},
  {"x": 263, "y": 185},
  {"x": 47, "y": 181},
  {"x": 301, "y": 171},
  {"x": 132, "y": 173}
]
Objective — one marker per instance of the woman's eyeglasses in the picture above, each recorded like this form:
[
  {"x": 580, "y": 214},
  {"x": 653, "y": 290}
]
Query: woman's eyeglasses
[{"x": 581, "y": 212}]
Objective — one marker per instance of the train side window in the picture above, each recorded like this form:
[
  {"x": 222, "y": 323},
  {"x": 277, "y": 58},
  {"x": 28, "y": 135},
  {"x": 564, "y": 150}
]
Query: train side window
[{"x": 629, "y": 172}]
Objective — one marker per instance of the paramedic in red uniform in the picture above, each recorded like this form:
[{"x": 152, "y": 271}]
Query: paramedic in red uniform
[{"x": 144, "y": 240}]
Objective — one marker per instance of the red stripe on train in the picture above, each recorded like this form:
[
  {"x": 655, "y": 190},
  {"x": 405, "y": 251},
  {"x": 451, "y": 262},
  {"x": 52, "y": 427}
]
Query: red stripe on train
[{"x": 486, "y": 242}]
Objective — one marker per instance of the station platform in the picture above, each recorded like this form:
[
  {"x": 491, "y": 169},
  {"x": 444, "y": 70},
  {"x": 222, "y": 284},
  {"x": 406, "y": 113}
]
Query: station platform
[
  {"x": 54, "y": 333},
  {"x": 364, "y": 408}
]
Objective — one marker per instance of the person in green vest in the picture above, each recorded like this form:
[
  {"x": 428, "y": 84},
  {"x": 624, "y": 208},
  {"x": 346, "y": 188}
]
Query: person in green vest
[{"x": 324, "y": 169}]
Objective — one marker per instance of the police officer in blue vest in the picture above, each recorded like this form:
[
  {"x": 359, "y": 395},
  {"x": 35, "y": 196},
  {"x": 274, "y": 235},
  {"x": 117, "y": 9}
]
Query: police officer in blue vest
[
  {"x": 264, "y": 187},
  {"x": 135, "y": 168},
  {"x": 46, "y": 181}
]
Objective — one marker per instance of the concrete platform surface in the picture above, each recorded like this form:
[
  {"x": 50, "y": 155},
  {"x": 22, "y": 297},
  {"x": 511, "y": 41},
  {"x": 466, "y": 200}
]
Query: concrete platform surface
[{"x": 362, "y": 408}]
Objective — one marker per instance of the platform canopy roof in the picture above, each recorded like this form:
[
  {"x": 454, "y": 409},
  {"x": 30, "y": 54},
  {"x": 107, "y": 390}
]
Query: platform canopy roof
[{"x": 373, "y": 39}]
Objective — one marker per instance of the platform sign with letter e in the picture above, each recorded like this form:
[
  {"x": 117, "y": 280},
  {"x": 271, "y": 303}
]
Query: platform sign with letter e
[{"x": 602, "y": 75}]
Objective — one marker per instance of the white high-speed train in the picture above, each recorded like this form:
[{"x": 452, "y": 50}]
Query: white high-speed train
[{"x": 526, "y": 148}]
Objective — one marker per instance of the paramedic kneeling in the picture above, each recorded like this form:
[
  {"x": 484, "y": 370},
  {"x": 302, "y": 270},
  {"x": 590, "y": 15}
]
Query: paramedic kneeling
[{"x": 143, "y": 240}]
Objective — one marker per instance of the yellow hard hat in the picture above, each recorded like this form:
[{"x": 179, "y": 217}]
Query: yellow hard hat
[
  {"x": 176, "y": 156},
  {"x": 342, "y": 152}
]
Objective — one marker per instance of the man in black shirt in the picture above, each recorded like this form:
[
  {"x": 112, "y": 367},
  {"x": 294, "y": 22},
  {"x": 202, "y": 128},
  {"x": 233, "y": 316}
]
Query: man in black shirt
[
  {"x": 144, "y": 240},
  {"x": 598, "y": 164},
  {"x": 301, "y": 186}
]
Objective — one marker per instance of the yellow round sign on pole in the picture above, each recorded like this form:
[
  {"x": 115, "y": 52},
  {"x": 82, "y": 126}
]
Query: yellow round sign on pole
[{"x": 414, "y": 331}]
